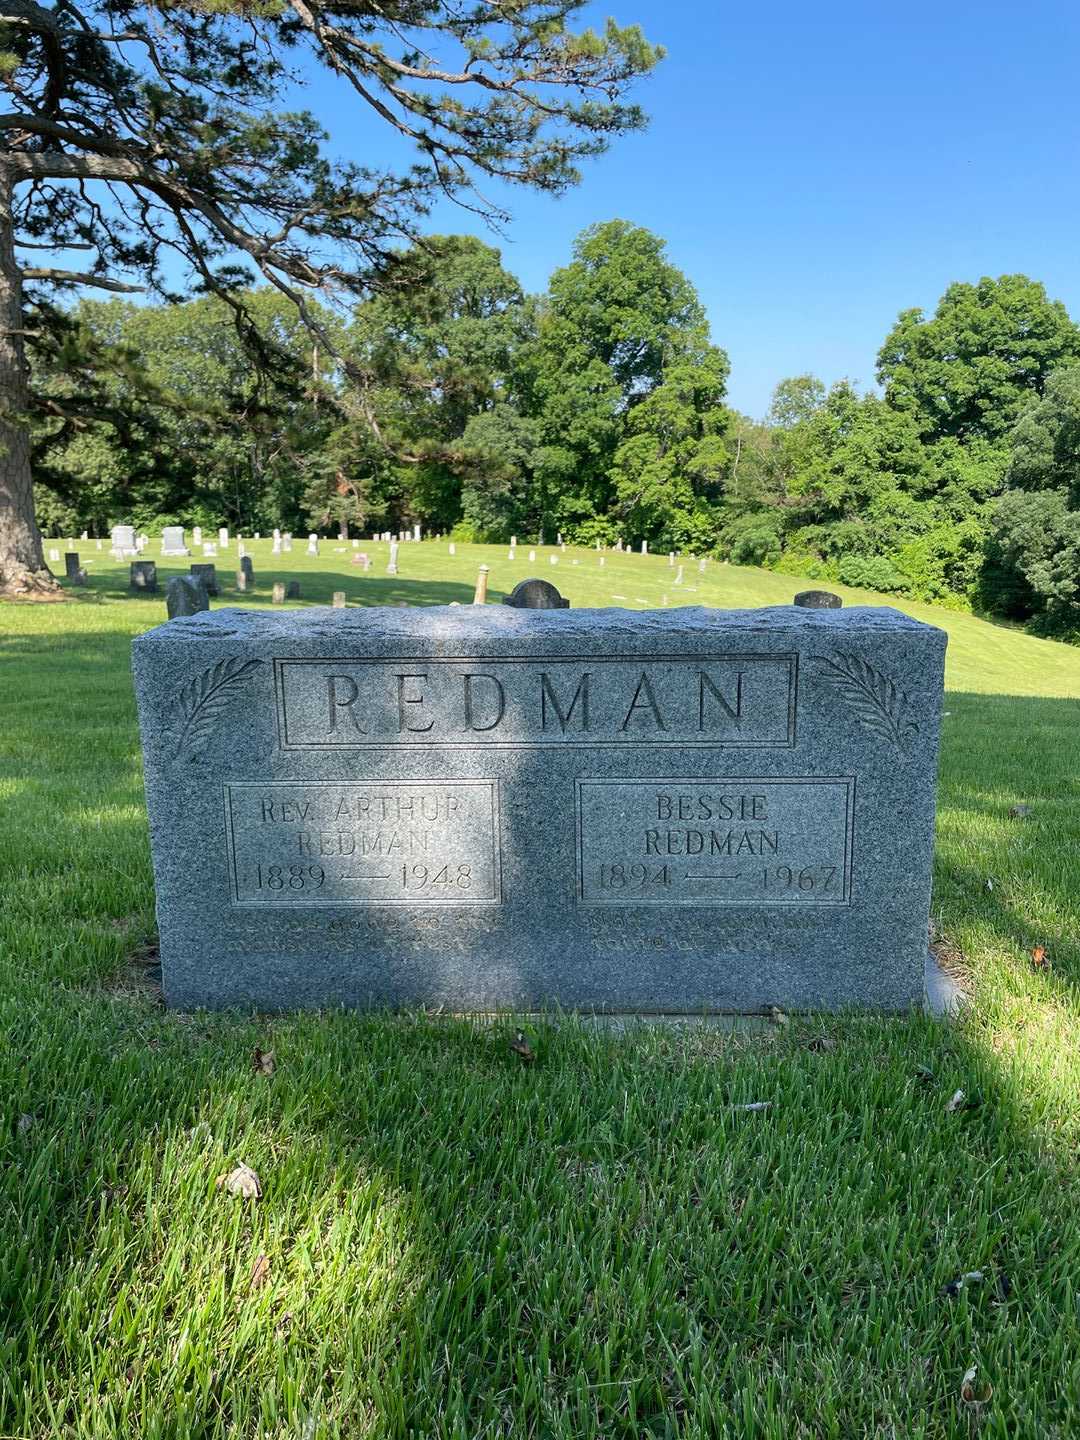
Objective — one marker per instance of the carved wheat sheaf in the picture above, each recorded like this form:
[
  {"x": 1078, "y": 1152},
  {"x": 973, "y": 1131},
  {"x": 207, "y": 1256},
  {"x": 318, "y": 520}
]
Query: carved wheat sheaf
[
  {"x": 202, "y": 700},
  {"x": 874, "y": 698}
]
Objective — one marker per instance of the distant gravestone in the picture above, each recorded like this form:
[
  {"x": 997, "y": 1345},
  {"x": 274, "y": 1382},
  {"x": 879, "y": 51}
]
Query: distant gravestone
[
  {"x": 313, "y": 545},
  {"x": 248, "y": 568},
  {"x": 277, "y": 594},
  {"x": 185, "y": 596},
  {"x": 172, "y": 541},
  {"x": 391, "y": 567},
  {"x": 292, "y": 590},
  {"x": 209, "y": 549},
  {"x": 54, "y": 555},
  {"x": 416, "y": 532},
  {"x": 275, "y": 548},
  {"x": 122, "y": 542},
  {"x": 223, "y": 538},
  {"x": 196, "y": 535},
  {"x": 451, "y": 549},
  {"x": 682, "y": 811},
  {"x": 339, "y": 600},
  {"x": 536, "y": 595},
  {"x": 206, "y": 575},
  {"x": 74, "y": 571},
  {"x": 241, "y": 582},
  {"x": 286, "y": 542},
  {"x": 818, "y": 600},
  {"x": 143, "y": 576}
]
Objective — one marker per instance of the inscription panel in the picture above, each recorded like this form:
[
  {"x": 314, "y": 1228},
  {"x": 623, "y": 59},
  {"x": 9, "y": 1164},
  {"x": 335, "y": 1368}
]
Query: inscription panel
[
  {"x": 744, "y": 701},
  {"x": 733, "y": 841},
  {"x": 391, "y": 842}
]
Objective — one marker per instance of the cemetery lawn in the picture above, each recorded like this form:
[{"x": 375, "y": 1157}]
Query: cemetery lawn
[{"x": 604, "y": 1242}]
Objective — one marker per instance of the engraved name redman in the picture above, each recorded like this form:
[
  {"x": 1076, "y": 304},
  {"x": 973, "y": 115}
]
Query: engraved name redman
[{"x": 732, "y": 700}]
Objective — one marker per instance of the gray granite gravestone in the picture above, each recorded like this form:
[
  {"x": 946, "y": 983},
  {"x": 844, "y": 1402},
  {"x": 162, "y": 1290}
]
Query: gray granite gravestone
[
  {"x": 172, "y": 541},
  {"x": 536, "y": 595},
  {"x": 292, "y": 590},
  {"x": 247, "y": 566},
  {"x": 185, "y": 596},
  {"x": 122, "y": 542},
  {"x": 143, "y": 575},
  {"x": 492, "y": 808},
  {"x": 71, "y": 564},
  {"x": 206, "y": 575},
  {"x": 818, "y": 600}
]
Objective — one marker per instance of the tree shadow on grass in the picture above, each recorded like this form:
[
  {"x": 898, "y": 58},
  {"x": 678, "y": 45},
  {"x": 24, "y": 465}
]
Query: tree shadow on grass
[
  {"x": 600, "y": 1242},
  {"x": 317, "y": 587}
]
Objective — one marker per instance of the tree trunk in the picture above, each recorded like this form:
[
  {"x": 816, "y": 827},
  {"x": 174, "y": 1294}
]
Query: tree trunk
[{"x": 22, "y": 562}]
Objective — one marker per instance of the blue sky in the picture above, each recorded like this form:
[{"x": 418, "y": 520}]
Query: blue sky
[{"x": 816, "y": 169}]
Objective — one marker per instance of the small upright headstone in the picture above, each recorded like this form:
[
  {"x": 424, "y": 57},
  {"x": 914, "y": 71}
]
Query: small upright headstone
[
  {"x": 223, "y": 538},
  {"x": 275, "y": 549},
  {"x": 143, "y": 575},
  {"x": 416, "y": 532},
  {"x": 532, "y": 554},
  {"x": 247, "y": 566},
  {"x": 185, "y": 596},
  {"x": 510, "y": 555},
  {"x": 339, "y": 600},
  {"x": 536, "y": 595},
  {"x": 196, "y": 534},
  {"x": 601, "y": 560},
  {"x": 277, "y": 595},
  {"x": 206, "y": 575},
  {"x": 172, "y": 541},
  {"x": 391, "y": 568},
  {"x": 85, "y": 535},
  {"x": 97, "y": 544},
  {"x": 209, "y": 549},
  {"x": 818, "y": 600},
  {"x": 451, "y": 548},
  {"x": 313, "y": 544},
  {"x": 240, "y": 550},
  {"x": 480, "y": 593},
  {"x": 678, "y": 576},
  {"x": 241, "y": 582},
  {"x": 286, "y": 543},
  {"x": 75, "y": 573},
  {"x": 554, "y": 559},
  {"x": 701, "y": 567},
  {"x": 292, "y": 590},
  {"x": 54, "y": 555},
  {"x": 356, "y": 544},
  {"x": 513, "y": 542},
  {"x": 671, "y": 557},
  {"x": 644, "y": 547}
]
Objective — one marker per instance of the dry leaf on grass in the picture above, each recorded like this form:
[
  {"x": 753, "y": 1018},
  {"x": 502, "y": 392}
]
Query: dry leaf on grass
[
  {"x": 263, "y": 1061},
  {"x": 1039, "y": 958},
  {"x": 260, "y": 1272},
  {"x": 956, "y": 1102},
  {"x": 242, "y": 1181},
  {"x": 821, "y": 1043},
  {"x": 974, "y": 1393},
  {"x": 521, "y": 1047},
  {"x": 969, "y": 1277}
]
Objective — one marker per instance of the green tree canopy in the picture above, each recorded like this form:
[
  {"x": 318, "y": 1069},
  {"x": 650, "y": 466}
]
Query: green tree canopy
[{"x": 968, "y": 370}]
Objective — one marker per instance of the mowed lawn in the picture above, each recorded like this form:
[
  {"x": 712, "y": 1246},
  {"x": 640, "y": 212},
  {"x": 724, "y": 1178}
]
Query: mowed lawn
[{"x": 452, "y": 1243}]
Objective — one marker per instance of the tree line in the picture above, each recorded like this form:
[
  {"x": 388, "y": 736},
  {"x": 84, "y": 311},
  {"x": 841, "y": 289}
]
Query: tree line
[{"x": 597, "y": 410}]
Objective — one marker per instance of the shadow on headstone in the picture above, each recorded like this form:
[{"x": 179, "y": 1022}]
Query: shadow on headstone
[{"x": 536, "y": 595}]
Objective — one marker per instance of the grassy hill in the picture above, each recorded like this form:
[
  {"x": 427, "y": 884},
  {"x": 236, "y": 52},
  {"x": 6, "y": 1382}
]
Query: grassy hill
[{"x": 602, "y": 1244}]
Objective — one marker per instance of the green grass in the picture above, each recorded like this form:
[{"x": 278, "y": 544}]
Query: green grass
[{"x": 459, "y": 1245}]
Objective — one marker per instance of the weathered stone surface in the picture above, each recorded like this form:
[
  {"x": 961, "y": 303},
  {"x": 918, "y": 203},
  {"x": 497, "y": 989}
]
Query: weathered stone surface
[
  {"x": 536, "y": 595},
  {"x": 122, "y": 542},
  {"x": 489, "y": 808},
  {"x": 143, "y": 575},
  {"x": 185, "y": 596},
  {"x": 71, "y": 564},
  {"x": 248, "y": 567},
  {"x": 292, "y": 590},
  {"x": 172, "y": 541}
]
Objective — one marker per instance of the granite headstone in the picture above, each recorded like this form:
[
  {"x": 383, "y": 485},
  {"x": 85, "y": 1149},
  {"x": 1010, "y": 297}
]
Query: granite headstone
[
  {"x": 493, "y": 808},
  {"x": 172, "y": 541}
]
